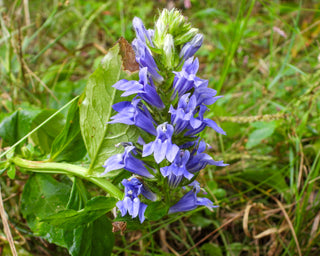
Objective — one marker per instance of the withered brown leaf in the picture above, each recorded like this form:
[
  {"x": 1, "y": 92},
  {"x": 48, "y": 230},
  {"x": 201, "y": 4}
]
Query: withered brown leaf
[
  {"x": 119, "y": 226},
  {"x": 128, "y": 56}
]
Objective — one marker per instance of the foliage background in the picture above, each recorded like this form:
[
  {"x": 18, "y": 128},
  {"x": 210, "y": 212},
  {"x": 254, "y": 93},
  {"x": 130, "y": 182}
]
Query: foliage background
[{"x": 263, "y": 56}]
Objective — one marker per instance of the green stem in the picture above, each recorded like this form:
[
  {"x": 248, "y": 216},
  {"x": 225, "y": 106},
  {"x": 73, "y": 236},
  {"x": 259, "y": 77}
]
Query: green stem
[{"x": 68, "y": 169}]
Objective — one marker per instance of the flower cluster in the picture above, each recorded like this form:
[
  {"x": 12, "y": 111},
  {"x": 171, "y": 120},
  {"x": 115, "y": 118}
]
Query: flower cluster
[{"x": 168, "y": 105}]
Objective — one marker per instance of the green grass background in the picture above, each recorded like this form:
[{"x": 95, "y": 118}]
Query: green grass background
[{"x": 263, "y": 56}]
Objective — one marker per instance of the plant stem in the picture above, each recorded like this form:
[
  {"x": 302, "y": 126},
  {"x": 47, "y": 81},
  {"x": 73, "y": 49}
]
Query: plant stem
[{"x": 68, "y": 169}]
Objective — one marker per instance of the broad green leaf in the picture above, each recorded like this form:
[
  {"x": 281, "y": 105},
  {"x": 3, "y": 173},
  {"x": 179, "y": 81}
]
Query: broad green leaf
[
  {"x": 94, "y": 239},
  {"x": 42, "y": 196},
  {"x": 69, "y": 146},
  {"x": 95, "y": 208},
  {"x": 96, "y": 109},
  {"x": 48, "y": 132},
  {"x": 8, "y": 129},
  {"x": 17, "y": 125},
  {"x": 263, "y": 131}
]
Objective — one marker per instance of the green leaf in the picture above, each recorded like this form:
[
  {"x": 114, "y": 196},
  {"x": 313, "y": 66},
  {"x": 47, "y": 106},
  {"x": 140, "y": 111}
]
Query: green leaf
[
  {"x": 11, "y": 171},
  {"x": 69, "y": 145},
  {"x": 200, "y": 221},
  {"x": 96, "y": 109},
  {"x": 211, "y": 249},
  {"x": 156, "y": 210},
  {"x": 94, "y": 239},
  {"x": 17, "y": 125},
  {"x": 8, "y": 129},
  {"x": 219, "y": 193},
  {"x": 49, "y": 131},
  {"x": 4, "y": 166},
  {"x": 234, "y": 249},
  {"x": 42, "y": 196},
  {"x": 79, "y": 195},
  {"x": 95, "y": 208},
  {"x": 263, "y": 131}
]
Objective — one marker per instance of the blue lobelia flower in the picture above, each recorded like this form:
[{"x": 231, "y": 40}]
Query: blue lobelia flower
[
  {"x": 131, "y": 202},
  {"x": 177, "y": 170},
  {"x": 186, "y": 79},
  {"x": 141, "y": 31},
  {"x": 183, "y": 116},
  {"x": 205, "y": 95},
  {"x": 127, "y": 161},
  {"x": 134, "y": 113},
  {"x": 190, "y": 48},
  {"x": 145, "y": 59},
  {"x": 146, "y": 91},
  {"x": 162, "y": 147},
  {"x": 199, "y": 160},
  {"x": 190, "y": 201},
  {"x": 204, "y": 123}
]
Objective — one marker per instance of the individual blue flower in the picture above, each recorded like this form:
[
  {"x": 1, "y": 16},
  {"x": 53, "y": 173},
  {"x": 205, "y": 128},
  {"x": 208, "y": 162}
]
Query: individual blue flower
[
  {"x": 186, "y": 79},
  {"x": 205, "y": 95},
  {"x": 190, "y": 201},
  {"x": 190, "y": 48},
  {"x": 146, "y": 91},
  {"x": 192, "y": 130},
  {"x": 199, "y": 160},
  {"x": 162, "y": 147},
  {"x": 177, "y": 170},
  {"x": 127, "y": 161},
  {"x": 184, "y": 114},
  {"x": 134, "y": 113},
  {"x": 141, "y": 31},
  {"x": 135, "y": 187},
  {"x": 145, "y": 59},
  {"x": 131, "y": 202}
]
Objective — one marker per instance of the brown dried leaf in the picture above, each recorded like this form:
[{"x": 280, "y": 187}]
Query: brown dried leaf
[
  {"x": 270, "y": 231},
  {"x": 119, "y": 226},
  {"x": 246, "y": 219},
  {"x": 128, "y": 56}
]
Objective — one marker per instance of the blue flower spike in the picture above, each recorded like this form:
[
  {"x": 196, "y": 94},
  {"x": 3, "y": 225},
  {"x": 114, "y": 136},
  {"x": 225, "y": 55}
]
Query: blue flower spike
[{"x": 167, "y": 108}]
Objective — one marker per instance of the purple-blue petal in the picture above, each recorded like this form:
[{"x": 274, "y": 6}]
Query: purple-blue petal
[{"x": 142, "y": 210}]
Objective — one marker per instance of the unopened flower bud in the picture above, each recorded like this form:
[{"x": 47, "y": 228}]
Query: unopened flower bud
[
  {"x": 172, "y": 22},
  {"x": 190, "y": 48},
  {"x": 168, "y": 49},
  {"x": 186, "y": 37}
]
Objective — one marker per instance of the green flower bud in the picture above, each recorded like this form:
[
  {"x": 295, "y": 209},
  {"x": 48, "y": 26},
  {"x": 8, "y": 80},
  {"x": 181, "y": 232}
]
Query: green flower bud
[
  {"x": 186, "y": 37},
  {"x": 173, "y": 23},
  {"x": 169, "y": 51}
]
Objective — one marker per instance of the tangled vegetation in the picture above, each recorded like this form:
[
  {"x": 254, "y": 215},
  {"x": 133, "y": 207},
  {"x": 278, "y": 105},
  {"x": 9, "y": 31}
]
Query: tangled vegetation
[{"x": 263, "y": 56}]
